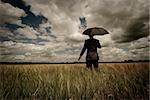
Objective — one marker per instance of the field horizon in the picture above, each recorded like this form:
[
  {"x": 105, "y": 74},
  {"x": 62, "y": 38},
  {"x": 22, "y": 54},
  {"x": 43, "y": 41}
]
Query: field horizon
[{"x": 77, "y": 62}]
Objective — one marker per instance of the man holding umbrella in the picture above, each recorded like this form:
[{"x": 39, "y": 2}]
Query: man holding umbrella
[{"x": 91, "y": 45}]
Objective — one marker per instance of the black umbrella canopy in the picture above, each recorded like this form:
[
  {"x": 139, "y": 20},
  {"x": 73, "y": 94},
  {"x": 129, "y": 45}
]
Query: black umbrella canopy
[{"x": 95, "y": 31}]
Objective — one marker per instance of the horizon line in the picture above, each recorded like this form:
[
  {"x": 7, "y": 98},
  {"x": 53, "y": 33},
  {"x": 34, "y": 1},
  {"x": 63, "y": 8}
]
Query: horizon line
[{"x": 130, "y": 61}]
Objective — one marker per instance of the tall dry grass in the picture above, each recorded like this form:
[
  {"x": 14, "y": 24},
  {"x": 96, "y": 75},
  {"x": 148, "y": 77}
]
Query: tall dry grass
[{"x": 74, "y": 81}]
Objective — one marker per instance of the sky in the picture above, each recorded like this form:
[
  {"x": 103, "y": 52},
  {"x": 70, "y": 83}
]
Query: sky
[{"x": 51, "y": 30}]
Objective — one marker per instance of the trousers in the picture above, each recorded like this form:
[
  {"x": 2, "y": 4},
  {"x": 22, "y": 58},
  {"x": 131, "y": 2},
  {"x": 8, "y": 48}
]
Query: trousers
[{"x": 89, "y": 64}]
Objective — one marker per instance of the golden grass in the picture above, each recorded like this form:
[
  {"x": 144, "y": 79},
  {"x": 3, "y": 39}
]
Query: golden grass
[{"x": 74, "y": 81}]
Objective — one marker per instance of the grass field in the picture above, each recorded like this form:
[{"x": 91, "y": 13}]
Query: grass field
[{"x": 74, "y": 82}]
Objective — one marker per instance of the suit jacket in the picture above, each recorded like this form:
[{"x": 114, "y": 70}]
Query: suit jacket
[{"x": 91, "y": 45}]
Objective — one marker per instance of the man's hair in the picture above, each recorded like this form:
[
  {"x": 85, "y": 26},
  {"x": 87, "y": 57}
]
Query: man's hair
[{"x": 91, "y": 35}]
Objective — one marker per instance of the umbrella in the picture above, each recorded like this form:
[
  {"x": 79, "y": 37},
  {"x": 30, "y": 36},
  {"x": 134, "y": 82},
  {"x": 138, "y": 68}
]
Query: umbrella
[{"x": 95, "y": 31}]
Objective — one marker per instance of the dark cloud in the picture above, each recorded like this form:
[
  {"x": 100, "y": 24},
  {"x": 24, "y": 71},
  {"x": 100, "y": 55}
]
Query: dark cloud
[
  {"x": 31, "y": 19},
  {"x": 137, "y": 29},
  {"x": 10, "y": 27},
  {"x": 23, "y": 29},
  {"x": 19, "y": 4}
]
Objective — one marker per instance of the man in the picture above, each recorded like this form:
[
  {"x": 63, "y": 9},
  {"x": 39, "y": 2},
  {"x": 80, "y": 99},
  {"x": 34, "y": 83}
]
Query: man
[{"x": 92, "y": 57}]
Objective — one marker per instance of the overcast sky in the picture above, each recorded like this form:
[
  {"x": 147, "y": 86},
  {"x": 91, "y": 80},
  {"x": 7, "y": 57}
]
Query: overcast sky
[{"x": 48, "y": 30}]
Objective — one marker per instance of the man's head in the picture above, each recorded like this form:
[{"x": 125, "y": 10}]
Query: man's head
[{"x": 91, "y": 36}]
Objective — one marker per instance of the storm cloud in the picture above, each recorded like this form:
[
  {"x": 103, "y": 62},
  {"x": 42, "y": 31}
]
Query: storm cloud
[
  {"x": 54, "y": 26},
  {"x": 129, "y": 16},
  {"x": 30, "y": 19},
  {"x": 22, "y": 23}
]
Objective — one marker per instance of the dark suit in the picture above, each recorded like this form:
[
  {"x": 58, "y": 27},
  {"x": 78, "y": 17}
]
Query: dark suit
[{"x": 92, "y": 56}]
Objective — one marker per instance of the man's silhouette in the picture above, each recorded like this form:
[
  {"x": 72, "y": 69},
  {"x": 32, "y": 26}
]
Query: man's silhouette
[{"x": 92, "y": 57}]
